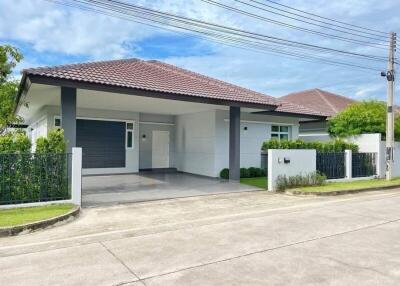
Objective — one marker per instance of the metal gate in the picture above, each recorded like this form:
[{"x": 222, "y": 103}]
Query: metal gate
[{"x": 332, "y": 165}]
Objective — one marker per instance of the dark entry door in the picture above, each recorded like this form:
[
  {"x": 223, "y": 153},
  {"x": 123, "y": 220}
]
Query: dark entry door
[{"x": 102, "y": 142}]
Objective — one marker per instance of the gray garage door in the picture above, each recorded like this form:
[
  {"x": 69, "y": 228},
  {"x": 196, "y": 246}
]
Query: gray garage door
[{"x": 102, "y": 142}]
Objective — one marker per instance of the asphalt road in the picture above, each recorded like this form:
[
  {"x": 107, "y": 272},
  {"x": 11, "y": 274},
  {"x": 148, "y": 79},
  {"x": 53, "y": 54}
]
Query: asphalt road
[{"x": 254, "y": 238}]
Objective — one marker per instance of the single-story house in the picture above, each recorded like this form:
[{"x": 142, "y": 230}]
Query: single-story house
[
  {"x": 327, "y": 103},
  {"x": 130, "y": 115}
]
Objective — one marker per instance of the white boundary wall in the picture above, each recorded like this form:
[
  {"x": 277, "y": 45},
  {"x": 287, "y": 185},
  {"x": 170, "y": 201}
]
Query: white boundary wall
[
  {"x": 76, "y": 185},
  {"x": 289, "y": 162},
  {"x": 373, "y": 143}
]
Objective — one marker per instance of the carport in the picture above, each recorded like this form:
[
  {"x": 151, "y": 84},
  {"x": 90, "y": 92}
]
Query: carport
[{"x": 148, "y": 186}]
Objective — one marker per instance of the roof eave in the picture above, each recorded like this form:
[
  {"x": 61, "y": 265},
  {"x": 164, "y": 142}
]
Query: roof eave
[
  {"x": 293, "y": 114},
  {"x": 23, "y": 87},
  {"x": 42, "y": 79}
]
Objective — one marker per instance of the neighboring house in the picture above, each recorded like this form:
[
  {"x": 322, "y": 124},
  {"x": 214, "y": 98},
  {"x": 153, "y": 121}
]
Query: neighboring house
[
  {"x": 131, "y": 115},
  {"x": 327, "y": 103}
]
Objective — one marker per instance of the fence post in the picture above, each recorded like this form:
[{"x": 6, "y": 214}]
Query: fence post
[
  {"x": 348, "y": 163},
  {"x": 76, "y": 185}
]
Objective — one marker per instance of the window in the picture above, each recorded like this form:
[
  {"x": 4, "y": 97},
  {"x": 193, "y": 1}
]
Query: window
[
  {"x": 280, "y": 132},
  {"x": 129, "y": 135}
]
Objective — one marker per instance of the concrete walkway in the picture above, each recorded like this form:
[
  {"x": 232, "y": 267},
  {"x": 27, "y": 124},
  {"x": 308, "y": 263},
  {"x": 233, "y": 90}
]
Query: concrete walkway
[{"x": 252, "y": 238}]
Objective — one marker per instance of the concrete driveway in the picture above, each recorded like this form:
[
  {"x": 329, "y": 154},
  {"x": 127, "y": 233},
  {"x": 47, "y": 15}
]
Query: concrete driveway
[
  {"x": 252, "y": 238},
  {"x": 148, "y": 186}
]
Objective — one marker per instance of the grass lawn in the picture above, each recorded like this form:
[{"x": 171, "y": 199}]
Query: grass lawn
[
  {"x": 260, "y": 182},
  {"x": 347, "y": 186},
  {"x": 18, "y": 216}
]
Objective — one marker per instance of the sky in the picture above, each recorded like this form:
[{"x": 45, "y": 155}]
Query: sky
[{"x": 50, "y": 34}]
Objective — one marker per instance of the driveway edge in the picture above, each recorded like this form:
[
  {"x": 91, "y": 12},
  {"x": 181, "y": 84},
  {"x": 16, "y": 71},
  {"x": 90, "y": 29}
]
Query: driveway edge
[
  {"x": 338, "y": 193},
  {"x": 29, "y": 227}
]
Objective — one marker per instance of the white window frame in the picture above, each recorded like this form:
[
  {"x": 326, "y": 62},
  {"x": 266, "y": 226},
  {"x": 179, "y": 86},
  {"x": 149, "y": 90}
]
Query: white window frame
[
  {"x": 130, "y": 131},
  {"x": 279, "y": 133}
]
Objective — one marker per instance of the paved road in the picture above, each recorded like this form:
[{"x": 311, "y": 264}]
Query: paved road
[{"x": 252, "y": 238}]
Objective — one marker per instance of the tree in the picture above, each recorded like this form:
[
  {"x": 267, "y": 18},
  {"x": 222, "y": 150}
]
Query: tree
[
  {"x": 9, "y": 57},
  {"x": 362, "y": 117}
]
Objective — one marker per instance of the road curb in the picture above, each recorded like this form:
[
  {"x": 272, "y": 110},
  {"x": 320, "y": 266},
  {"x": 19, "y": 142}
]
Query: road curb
[
  {"x": 338, "y": 193},
  {"x": 29, "y": 227}
]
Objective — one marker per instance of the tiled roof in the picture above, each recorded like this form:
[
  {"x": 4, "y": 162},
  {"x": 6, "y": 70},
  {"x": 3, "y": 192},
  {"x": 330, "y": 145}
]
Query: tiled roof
[
  {"x": 289, "y": 107},
  {"x": 319, "y": 100},
  {"x": 154, "y": 76},
  {"x": 161, "y": 77}
]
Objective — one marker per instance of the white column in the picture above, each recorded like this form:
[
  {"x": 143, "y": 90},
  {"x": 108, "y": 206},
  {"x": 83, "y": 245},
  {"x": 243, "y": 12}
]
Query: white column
[
  {"x": 348, "y": 163},
  {"x": 76, "y": 185}
]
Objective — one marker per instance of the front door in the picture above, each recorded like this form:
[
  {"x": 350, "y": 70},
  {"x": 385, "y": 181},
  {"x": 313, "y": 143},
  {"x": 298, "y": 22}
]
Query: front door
[{"x": 160, "y": 149}]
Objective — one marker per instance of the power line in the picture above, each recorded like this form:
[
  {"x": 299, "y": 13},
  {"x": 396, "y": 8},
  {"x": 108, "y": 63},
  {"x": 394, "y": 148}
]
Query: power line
[
  {"x": 329, "y": 26},
  {"x": 321, "y": 17},
  {"x": 269, "y": 20},
  {"x": 240, "y": 42},
  {"x": 149, "y": 14},
  {"x": 249, "y": 46}
]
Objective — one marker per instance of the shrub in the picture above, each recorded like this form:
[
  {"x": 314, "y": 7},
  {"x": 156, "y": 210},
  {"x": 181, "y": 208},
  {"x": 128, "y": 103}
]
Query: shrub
[
  {"x": 224, "y": 174},
  {"x": 312, "y": 179},
  {"x": 337, "y": 145},
  {"x": 244, "y": 173},
  {"x": 27, "y": 177},
  {"x": 53, "y": 143},
  {"x": 251, "y": 172},
  {"x": 15, "y": 142}
]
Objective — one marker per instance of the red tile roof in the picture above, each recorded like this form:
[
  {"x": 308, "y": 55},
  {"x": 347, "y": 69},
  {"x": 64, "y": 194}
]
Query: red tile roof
[
  {"x": 316, "y": 99},
  {"x": 161, "y": 77}
]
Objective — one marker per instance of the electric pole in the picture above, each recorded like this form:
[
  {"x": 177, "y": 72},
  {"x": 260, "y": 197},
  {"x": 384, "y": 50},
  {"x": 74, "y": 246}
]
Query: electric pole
[{"x": 390, "y": 74}]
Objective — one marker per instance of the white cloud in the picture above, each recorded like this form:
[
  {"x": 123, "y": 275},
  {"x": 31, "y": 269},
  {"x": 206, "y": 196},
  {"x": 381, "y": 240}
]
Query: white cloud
[{"x": 51, "y": 28}]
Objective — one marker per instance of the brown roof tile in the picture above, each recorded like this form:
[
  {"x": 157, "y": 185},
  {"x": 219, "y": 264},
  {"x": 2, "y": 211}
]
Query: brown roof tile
[{"x": 319, "y": 100}]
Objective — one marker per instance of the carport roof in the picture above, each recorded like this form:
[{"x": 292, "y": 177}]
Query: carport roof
[{"x": 159, "y": 77}]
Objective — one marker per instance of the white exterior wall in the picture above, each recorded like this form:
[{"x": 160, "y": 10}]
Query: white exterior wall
[
  {"x": 202, "y": 145},
  {"x": 301, "y": 162},
  {"x": 251, "y": 140},
  {"x": 195, "y": 143}
]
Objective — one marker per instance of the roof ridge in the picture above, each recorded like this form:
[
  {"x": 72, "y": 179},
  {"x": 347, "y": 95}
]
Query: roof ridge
[
  {"x": 74, "y": 65},
  {"x": 322, "y": 95},
  {"x": 335, "y": 94},
  {"x": 209, "y": 80},
  {"x": 301, "y": 91}
]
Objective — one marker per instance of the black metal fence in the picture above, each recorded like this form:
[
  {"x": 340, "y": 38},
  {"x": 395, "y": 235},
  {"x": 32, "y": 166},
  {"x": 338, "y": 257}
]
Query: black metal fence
[
  {"x": 264, "y": 161},
  {"x": 331, "y": 164},
  {"x": 26, "y": 178},
  {"x": 363, "y": 164}
]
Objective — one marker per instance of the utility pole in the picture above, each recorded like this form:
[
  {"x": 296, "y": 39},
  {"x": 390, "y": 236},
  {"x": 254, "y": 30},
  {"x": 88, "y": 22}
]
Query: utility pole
[{"x": 390, "y": 75}]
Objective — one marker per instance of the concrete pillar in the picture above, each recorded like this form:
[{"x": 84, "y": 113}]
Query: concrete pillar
[
  {"x": 76, "y": 180},
  {"x": 348, "y": 159},
  {"x": 68, "y": 116},
  {"x": 234, "y": 143}
]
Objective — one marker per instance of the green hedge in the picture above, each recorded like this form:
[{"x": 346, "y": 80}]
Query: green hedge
[
  {"x": 331, "y": 146},
  {"x": 251, "y": 172},
  {"x": 27, "y": 177}
]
